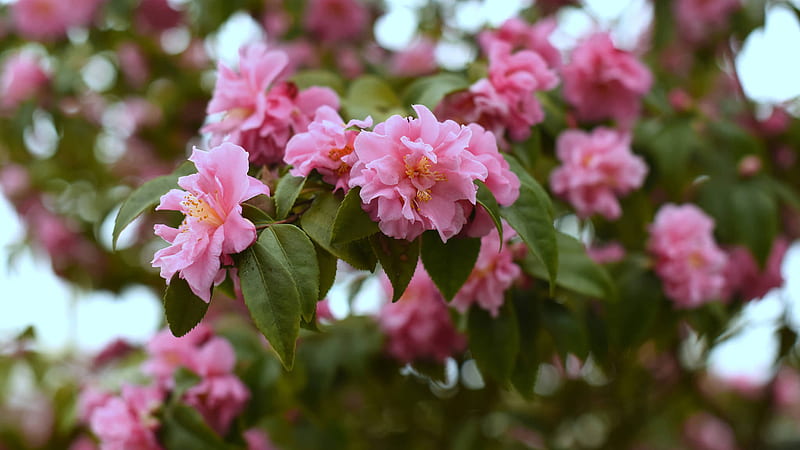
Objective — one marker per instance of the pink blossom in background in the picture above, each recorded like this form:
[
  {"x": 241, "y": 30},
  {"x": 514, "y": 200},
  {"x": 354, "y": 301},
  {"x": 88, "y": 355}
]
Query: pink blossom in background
[
  {"x": 220, "y": 396},
  {"x": 417, "y": 175},
  {"x": 90, "y": 398},
  {"x": 603, "y": 82},
  {"x": 128, "y": 421},
  {"x": 261, "y": 113},
  {"x": 213, "y": 227},
  {"x": 521, "y": 35},
  {"x": 418, "y": 325},
  {"x": 133, "y": 64},
  {"x": 493, "y": 274},
  {"x": 156, "y": 16},
  {"x": 595, "y": 169},
  {"x": 14, "y": 180},
  {"x": 687, "y": 259},
  {"x": 745, "y": 278},
  {"x": 50, "y": 19},
  {"x": 327, "y": 147},
  {"x": 703, "y": 431},
  {"x": 548, "y": 7},
  {"x": 518, "y": 74},
  {"x": 166, "y": 352},
  {"x": 416, "y": 60},
  {"x": 336, "y": 20},
  {"x": 258, "y": 439},
  {"x": 348, "y": 61},
  {"x": 604, "y": 254},
  {"x": 23, "y": 78},
  {"x": 82, "y": 443},
  {"x": 697, "y": 19},
  {"x": 786, "y": 389},
  {"x": 115, "y": 350}
]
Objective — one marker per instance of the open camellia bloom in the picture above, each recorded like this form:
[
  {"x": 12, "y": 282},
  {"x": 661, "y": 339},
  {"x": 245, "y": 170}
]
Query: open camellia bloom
[
  {"x": 326, "y": 147},
  {"x": 418, "y": 174},
  {"x": 604, "y": 82},
  {"x": 596, "y": 168},
  {"x": 688, "y": 260},
  {"x": 214, "y": 227}
]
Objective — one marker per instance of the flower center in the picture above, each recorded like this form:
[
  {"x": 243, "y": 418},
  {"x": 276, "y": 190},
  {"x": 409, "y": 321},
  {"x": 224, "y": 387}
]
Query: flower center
[
  {"x": 421, "y": 176},
  {"x": 336, "y": 154},
  {"x": 200, "y": 210}
]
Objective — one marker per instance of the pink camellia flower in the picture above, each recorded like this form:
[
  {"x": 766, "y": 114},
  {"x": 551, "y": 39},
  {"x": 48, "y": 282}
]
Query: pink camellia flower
[
  {"x": 336, "y": 20},
  {"x": 604, "y": 254},
  {"x": 214, "y": 227},
  {"x": 687, "y": 259},
  {"x": 326, "y": 147},
  {"x": 418, "y": 325},
  {"x": 696, "y": 19},
  {"x": 786, "y": 389},
  {"x": 261, "y": 115},
  {"x": 23, "y": 78},
  {"x": 745, "y": 278},
  {"x": 91, "y": 398},
  {"x": 595, "y": 168},
  {"x": 128, "y": 422},
  {"x": 520, "y": 35},
  {"x": 257, "y": 439},
  {"x": 220, "y": 396},
  {"x": 493, "y": 274},
  {"x": 167, "y": 352},
  {"x": 518, "y": 74},
  {"x": 50, "y": 19},
  {"x": 415, "y": 60},
  {"x": 417, "y": 175},
  {"x": 603, "y": 82}
]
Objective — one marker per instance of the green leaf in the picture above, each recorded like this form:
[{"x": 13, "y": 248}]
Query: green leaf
[
  {"x": 449, "y": 264},
  {"x": 183, "y": 379},
  {"x": 308, "y": 78},
  {"x": 294, "y": 251},
  {"x": 755, "y": 220},
  {"x": 576, "y": 271},
  {"x": 256, "y": 215},
  {"x": 146, "y": 197},
  {"x": 487, "y": 201},
  {"x": 352, "y": 222},
  {"x": 494, "y": 342},
  {"x": 183, "y": 309},
  {"x": 399, "y": 259},
  {"x": 369, "y": 95},
  {"x": 271, "y": 296},
  {"x": 327, "y": 270},
  {"x": 286, "y": 193},
  {"x": 183, "y": 427},
  {"x": 526, "y": 367},
  {"x": 429, "y": 91},
  {"x": 567, "y": 332},
  {"x": 318, "y": 223},
  {"x": 532, "y": 217}
]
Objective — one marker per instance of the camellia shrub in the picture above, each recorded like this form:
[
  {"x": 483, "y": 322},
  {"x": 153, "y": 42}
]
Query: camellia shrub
[{"x": 551, "y": 238}]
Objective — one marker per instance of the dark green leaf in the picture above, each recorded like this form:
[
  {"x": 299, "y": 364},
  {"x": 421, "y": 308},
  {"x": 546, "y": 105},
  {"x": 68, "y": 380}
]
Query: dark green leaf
[
  {"x": 567, "y": 332},
  {"x": 449, "y": 264},
  {"x": 398, "y": 258},
  {"x": 286, "y": 193},
  {"x": 352, "y": 222},
  {"x": 369, "y": 95},
  {"x": 183, "y": 309},
  {"x": 532, "y": 217},
  {"x": 292, "y": 248},
  {"x": 526, "y": 367},
  {"x": 429, "y": 91},
  {"x": 308, "y": 78},
  {"x": 318, "y": 223},
  {"x": 487, "y": 201},
  {"x": 256, "y": 215},
  {"x": 327, "y": 270},
  {"x": 271, "y": 296},
  {"x": 494, "y": 341},
  {"x": 755, "y": 220},
  {"x": 576, "y": 271},
  {"x": 183, "y": 380},
  {"x": 146, "y": 197},
  {"x": 182, "y": 427}
]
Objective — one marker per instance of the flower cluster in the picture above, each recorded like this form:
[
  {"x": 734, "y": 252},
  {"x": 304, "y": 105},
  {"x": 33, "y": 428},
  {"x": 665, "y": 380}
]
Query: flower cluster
[
  {"x": 596, "y": 168},
  {"x": 687, "y": 258},
  {"x": 744, "y": 277},
  {"x": 23, "y": 77},
  {"x": 261, "y": 112},
  {"x": 214, "y": 227},
  {"x": 418, "y": 325},
  {"x": 50, "y": 19},
  {"x": 696, "y": 19},
  {"x": 419, "y": 174}
]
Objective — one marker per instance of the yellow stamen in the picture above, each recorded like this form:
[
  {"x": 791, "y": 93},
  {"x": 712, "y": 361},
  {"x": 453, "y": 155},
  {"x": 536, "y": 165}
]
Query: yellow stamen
[{"x": 200, "y": 210}]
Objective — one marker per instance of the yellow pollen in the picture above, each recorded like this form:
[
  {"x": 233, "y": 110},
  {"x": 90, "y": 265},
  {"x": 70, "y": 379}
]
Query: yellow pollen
[
  {"x": 337, "y": 153},
  {"x": 342, "y": 169},
  {"x": 200, "y": 210},
  {"x": 695, "y": 260},
  {"x": 424, "y": 195},
  {"x": 423, "y": 169}
]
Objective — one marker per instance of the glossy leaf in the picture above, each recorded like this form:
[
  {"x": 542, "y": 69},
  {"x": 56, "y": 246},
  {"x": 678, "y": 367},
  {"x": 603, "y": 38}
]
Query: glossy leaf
[
  {"x": 486, "y": 200},
  {"x": 429, "y": 91},
  {"x": 294, "y": 250},
  {"x": 526, "y": 367},
  {"x": 327, "y": 270},
  {"x": 567, "y": 331},
  {"x": 146, "y": 197},
  {"x": 318, "y": 223},
  {"x": 532, "y": 217},
  {"x": 449, "y": 264},
  {"x": 286, "y": 193},
  {"x": 183, "y": 428},
  {"x": 183, "y": 309},
  {"x": 369, "y": 95},
  {"x": 399, "y": 259},
  {"x": 352, "y": 222}
]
